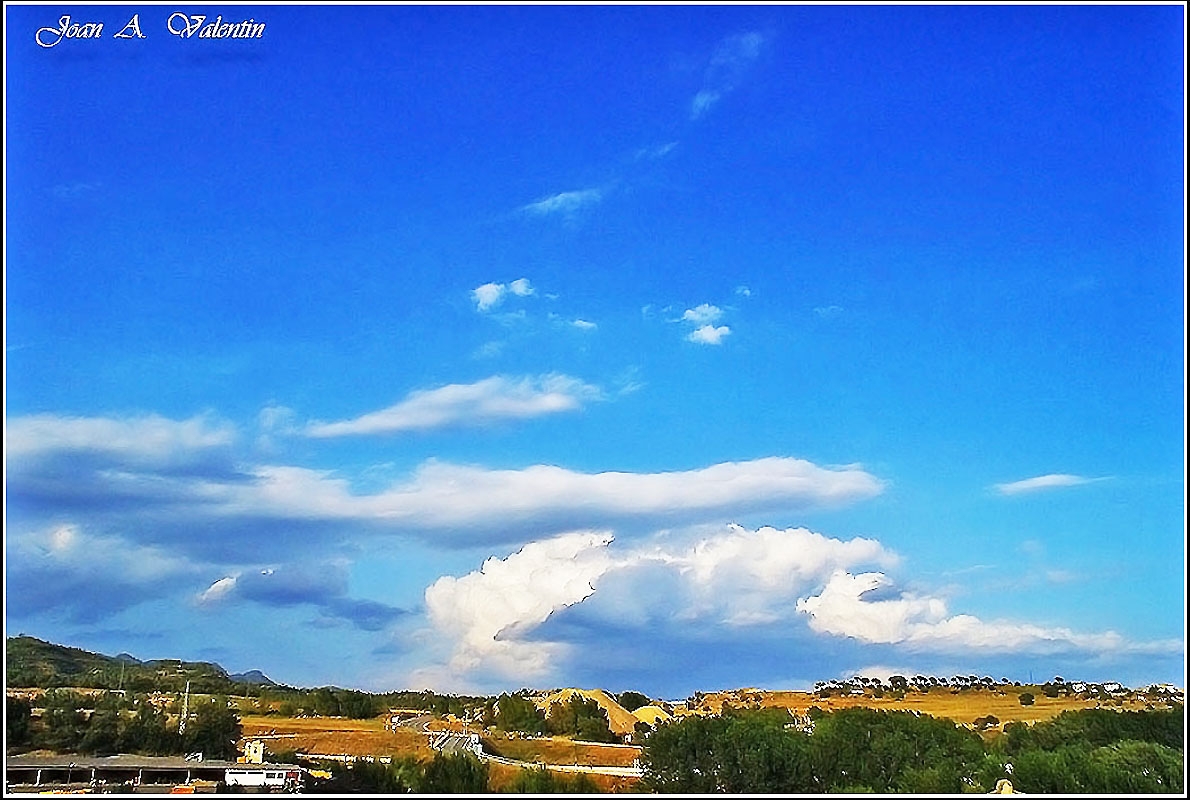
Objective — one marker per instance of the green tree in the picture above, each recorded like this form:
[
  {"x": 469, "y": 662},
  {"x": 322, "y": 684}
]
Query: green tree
[
  {"x": 860, "y": 746},
  {"x": 455, "y": 773},
  {"x": 514, "y": 712},
  {"x": 213, "y": 730},
  {"x": 1132, "y": 767},
  {"x": 102, "y": 737},
  {"x": 148, "y": 732},
  {"x": 631, "y": 701},
  {"x": 679, "y": 756},
  {"x": 402, "y": 776},
  {"x": 63, "y": 721},
  {"x": 1026, "y": 698},
  {"x": 18, "y": 714},
  {"x": 580, "y": 717},
  {"x": 540, "y": 780}
]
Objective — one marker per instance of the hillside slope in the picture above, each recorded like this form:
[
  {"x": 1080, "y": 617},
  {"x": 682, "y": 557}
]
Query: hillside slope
[
  {"x": 31, "y": 662},
  {"x": 620, "y": 720}
]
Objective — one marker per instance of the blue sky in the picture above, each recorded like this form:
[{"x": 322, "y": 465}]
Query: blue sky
[{"x": 649, "y": 348}]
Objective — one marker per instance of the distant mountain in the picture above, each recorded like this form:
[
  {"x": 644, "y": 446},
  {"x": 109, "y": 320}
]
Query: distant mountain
[
  {"x": 32, "y": 662},
  {"x": 254, "y": 676}
]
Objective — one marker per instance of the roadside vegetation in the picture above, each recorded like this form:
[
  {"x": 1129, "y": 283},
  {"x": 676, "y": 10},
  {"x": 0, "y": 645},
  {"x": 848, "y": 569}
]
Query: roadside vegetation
[{"x": 860, "y": 750}]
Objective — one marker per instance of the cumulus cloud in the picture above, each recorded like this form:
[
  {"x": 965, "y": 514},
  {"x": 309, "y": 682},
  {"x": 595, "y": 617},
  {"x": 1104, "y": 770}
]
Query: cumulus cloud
[
  {"x": 566, "y": 204},
  {"x": 1042, "y": 482},
  {"x": 709, "y": 334},
  {"x": 702, "y": 314},
  {"x": 583, "y": 325},
  {"x": 490, "y": 295},
  {"x": 846, "y": 607},
  {"x": 732, "y": 59},
  {"x": 703, "y": 317},
  {"x": 480, "y": 403},
  {"x": 486, "y": 611},
  {"x": 731, "y": 576}
]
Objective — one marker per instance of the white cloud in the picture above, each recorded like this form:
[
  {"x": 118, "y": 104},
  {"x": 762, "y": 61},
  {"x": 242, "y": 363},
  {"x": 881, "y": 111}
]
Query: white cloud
[
  {"x": 743, "y": 291},
  {"x": 484, "y": 402},
  {"x": 733, "y": 576},
  {"x": 488, "y": 296},
  {"x": 709, "y": 334},
  {"x": 565, "y": 203},
  {"x": 148, "y": 438},
  {"x": 447, "y": 496},
  {"x": 218, "y": 591},
  {"x": 491, "y": 295},
  {"x": 828, "y": 312},
  {"x": 1041, "y": 482},
  {"x": 702, "y": 314},
  {"x": 485, "y": 612},
  {"x": 521, "y": 287},
  {"x": 923, "y": 622},
  {"x": 582, "y": 324}
]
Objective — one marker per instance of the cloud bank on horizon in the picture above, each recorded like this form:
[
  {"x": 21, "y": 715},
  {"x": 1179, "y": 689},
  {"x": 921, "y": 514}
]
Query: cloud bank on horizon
[{"x": 689, "y": 372}]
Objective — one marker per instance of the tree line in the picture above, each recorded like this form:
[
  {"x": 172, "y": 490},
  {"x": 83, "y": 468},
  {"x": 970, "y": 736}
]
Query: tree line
[
  {"x": 859, "y": 750},
  {"x": 111, "y": 723}
]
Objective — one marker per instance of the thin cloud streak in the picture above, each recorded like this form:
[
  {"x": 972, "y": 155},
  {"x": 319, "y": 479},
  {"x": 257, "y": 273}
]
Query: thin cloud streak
[
  {"x": 1043, "y": 482},
  {"x": 564, "y": 203},
  {"x": 481, "y": 403}
]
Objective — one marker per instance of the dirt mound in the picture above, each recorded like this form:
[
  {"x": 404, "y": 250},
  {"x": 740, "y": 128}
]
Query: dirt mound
[
  {"x": 620, "y": 719},
  {"x": 652, "y": 715}
]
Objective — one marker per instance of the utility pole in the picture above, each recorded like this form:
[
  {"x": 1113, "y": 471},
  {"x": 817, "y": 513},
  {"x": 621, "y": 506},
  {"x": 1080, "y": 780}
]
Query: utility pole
[{"x": 185, "y": 710}]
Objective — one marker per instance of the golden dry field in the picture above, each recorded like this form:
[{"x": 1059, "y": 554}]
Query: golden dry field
[
  {"x": 331, "y": 736},
  {"x": 561, "y": 751},
  {"x": 962, "y": 707}
]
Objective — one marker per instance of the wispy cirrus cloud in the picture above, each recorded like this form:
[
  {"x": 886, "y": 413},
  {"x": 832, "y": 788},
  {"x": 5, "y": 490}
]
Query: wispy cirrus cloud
[
  {"x": 732, "y": 59},
  {"x": 481, "y": 403},
  {"x": 565, "y": 204},
  {"x": 1044, "y": 482}
]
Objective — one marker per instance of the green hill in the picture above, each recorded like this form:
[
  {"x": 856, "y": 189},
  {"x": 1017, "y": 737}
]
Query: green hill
[{"x": 31, "y": 662}]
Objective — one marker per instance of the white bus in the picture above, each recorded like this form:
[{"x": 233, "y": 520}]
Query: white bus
[{"x": 279, "y": 779}]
